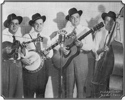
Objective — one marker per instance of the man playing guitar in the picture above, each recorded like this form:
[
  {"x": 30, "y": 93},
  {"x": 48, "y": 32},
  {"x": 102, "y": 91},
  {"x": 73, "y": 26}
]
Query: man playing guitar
[{"x": 76, "y": 72}]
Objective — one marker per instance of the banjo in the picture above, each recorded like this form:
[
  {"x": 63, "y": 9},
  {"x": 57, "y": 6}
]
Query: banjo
[{"x": 35, "y": 58}]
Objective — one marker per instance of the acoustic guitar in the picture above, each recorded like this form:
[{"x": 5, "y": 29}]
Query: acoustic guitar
[{"x": 64, "y": 60}]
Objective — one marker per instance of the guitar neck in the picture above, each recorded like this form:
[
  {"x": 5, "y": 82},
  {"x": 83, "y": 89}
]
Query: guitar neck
[
  {"x": 100, "y": 25},
  {"x": 87, "y": 33},
  {"x": 52, "y": 46},
  {"x": 80, "y": 38}
]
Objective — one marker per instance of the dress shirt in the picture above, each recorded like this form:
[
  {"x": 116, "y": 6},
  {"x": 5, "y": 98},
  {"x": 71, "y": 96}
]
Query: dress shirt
[
  {"x": 101, "y": 38},
  {"x": 31, "y": 46},
  {"x": 7, "y": 36},
  {"x": 81, "y": 30}
]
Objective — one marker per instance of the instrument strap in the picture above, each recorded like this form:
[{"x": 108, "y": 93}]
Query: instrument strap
[
  {"x": 35, "y": 45},
  {"x": 32, "y": 38},
  {"x": 14, "y": 38}
]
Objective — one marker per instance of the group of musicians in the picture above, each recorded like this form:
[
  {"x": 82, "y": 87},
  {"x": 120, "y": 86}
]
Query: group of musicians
[{"x": 20, "y": 80}]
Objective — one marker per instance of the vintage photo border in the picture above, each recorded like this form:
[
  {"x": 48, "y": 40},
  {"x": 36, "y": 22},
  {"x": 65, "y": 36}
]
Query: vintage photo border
[{"x": 59, "y": 1}]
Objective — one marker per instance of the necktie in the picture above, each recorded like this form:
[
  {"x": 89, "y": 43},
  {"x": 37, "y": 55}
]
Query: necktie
[
  {"x": 74, "y": 33},
  {"x": 74, "y": 30},
  {"x": 14, "y": 39},
  {"x": 15, "y": 49},
  {"x": 38, "y": 46}
]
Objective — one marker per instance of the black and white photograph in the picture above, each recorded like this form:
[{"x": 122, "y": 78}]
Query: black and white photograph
[{"x": 62, "y": 49}]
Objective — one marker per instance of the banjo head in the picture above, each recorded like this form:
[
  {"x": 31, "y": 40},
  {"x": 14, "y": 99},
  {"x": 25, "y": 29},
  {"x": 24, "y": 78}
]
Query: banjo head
[{"x": 37, "y": 62}]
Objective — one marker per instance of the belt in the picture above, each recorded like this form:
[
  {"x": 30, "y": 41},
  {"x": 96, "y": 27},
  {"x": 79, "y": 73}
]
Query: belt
[
  {"x": 32, "y": 50},
  {"x": 97, "y": 83},
  {"x": 11, "y": 59},
  {"x": 83, "y": 51}
]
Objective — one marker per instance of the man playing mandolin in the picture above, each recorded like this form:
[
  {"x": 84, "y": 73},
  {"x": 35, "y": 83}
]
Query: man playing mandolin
[{"x": 11, "y": 67}]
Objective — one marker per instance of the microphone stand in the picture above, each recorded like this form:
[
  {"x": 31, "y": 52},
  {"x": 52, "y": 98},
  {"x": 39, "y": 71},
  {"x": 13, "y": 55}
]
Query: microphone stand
[{"x": 62, "y": 40}]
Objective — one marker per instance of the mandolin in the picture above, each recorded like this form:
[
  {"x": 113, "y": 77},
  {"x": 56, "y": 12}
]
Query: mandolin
[{"x": 10, "y": 50}]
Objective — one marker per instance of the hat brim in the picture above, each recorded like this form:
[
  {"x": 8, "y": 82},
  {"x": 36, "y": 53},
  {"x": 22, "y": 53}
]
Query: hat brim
[
  {"x": 104, "y": 15},
  {"x": 79, "y": 12},
  {"x": 31, "y": 22},
  {"x": 7, "y": 22}
]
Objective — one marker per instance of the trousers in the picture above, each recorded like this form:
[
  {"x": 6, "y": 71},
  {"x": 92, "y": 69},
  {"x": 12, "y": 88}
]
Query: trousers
[
  {"x": 35, "y": 83},
  {"x": 102, "y": 72},
  {"x": 12, "y": 85},
  {"x": 76, "y": 73}
]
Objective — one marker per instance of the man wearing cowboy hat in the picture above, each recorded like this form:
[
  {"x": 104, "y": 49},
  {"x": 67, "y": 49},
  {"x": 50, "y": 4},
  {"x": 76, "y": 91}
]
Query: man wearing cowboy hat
[
  {"x": 12, "y": 71},
  {"x": 77, "y": 70},
  {"x": 101, "y": 78},
  {"x": 36, "y": 82}
]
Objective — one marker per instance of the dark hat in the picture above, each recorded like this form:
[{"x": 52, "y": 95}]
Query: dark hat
[
  {"x": 109, "y": 14},
  {"x": 12, "y": 17},
  {"x": 35, "y": 17},
  {"x": 73, "y": 11}
]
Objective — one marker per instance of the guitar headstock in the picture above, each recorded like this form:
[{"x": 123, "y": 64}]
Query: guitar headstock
[{"x": 98, "y": 26}]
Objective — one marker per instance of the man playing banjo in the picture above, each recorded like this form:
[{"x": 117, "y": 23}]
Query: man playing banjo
[{"x": 35, "y": 74}]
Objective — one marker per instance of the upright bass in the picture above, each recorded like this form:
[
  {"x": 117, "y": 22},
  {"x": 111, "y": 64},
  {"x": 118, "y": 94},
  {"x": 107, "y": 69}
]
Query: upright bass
[{"x": 109, "y": 68}]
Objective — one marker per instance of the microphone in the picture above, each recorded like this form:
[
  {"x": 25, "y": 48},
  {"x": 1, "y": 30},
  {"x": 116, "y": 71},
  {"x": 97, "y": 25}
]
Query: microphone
[{"x": 61, "y": 38}]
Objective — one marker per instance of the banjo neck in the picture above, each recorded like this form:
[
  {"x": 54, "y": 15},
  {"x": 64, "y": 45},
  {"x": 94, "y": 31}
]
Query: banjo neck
[{"x": 52, "y": 46}]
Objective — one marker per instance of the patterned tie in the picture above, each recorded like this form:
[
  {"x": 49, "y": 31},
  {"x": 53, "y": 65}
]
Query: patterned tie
[{"x": 38, "y": 46}]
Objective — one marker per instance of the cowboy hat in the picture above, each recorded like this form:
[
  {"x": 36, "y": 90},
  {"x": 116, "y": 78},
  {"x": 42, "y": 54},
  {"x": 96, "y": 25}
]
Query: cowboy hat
[
  {"x": 36, "y": 17},
  {"x": 109, "y": 14},
  {"x": 12, "y": 17},
  {"x": 73, "y": 11}
]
